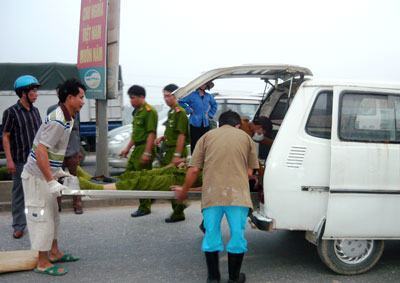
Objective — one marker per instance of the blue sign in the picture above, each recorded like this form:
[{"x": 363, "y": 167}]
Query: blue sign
[{"x": 94, "y": 79}]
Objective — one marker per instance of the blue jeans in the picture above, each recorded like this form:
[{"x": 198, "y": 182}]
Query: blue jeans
[
  {"x": 17, "y": 200},
  {"x": 236, "y": 216}
]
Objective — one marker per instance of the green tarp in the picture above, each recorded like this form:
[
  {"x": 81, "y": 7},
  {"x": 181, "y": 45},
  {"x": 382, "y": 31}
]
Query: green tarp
[{"x": 50, "y": 75}]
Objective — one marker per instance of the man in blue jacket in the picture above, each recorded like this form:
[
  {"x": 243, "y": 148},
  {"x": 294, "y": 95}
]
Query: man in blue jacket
[{"x": 201, "y": 106}]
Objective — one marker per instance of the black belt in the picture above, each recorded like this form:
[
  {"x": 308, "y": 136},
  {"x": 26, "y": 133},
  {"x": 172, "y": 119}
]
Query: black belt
[{"x": 140, "y": 143}]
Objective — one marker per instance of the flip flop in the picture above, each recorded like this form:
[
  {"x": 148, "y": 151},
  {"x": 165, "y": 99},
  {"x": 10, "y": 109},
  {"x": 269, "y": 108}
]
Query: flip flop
[
  {"x": 65, "y": 258},
  {"x": 53, "y": 271}
]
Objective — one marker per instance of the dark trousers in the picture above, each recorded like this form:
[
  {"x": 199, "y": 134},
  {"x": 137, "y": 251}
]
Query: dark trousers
[
  {"x": 18, "y": 200},
  {"x": 195, "y": 134}
]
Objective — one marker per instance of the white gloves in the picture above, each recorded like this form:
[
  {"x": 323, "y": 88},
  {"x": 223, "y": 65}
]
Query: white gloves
[
  {"x": 55, "y": 187},
  {"x": 61, "y": 173},
  {"x": 72, "y": 182}
]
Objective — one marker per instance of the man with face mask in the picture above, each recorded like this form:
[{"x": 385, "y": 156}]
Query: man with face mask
[
  {"x": 262, "y": 134},
  {"x": 20, "y": 124}
]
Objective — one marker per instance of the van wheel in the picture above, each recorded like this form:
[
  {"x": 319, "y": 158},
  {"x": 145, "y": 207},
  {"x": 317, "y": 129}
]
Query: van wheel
[{"x": 349, "y": 257}]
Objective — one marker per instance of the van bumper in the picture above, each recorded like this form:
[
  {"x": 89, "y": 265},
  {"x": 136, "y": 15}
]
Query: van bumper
[{"x": 261, "y": 222}]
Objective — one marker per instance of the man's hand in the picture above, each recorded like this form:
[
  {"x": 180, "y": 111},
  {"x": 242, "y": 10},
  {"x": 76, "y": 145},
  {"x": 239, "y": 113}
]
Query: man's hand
[
  {"x": 145, "y": 158},
  {"x": 180, "y": 194},
  {"x": 177, "y": 161},
  {"x": 56, "y": 188},
  {"x": 158, "y": 140},
  {"x": 11, "y": 167},
  {"x": 60, "y": 174},
  {"x": 124, "y": 152}
]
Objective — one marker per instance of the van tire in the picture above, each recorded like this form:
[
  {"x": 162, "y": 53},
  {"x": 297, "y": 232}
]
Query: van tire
[{"x": 329, "y": 255}]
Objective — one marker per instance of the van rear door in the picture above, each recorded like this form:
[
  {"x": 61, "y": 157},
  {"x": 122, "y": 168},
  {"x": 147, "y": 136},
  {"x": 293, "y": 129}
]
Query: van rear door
[
  {"x": 364, "y": 197},
  {"x": 265, "y": 72}
]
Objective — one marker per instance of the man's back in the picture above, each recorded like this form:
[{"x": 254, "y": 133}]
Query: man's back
[{"x": 225, "y": 154}]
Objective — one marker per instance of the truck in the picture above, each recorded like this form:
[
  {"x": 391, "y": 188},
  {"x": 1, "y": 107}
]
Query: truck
[{"x": 50, "y": 75}]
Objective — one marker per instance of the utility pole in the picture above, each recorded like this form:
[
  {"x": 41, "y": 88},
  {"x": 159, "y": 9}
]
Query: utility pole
[{"x": 113, "y": 15}]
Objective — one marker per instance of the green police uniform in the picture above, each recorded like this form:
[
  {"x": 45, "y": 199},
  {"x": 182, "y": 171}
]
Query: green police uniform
[
  {"x": 177, "y": 123},
  {"x": 144, "y": 122}
]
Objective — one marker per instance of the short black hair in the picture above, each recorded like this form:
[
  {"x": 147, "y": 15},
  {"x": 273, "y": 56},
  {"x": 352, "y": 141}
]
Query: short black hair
[
  {"x": 69, "y": 87},
  {"x": 264, "y": 122},
  {"x": 170, "y": 87},
  {"x": 136, "y": 90},
  {"x": 229, "y": 118}
]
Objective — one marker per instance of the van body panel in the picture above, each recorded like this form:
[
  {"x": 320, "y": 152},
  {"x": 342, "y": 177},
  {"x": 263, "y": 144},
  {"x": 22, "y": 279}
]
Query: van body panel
[
  {"x": 364, "y": 197},
  {"x": 297, "y": 160}
]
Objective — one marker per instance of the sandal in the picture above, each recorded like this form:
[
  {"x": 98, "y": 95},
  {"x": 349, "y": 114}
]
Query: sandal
[
  {"x": 65, "y": 258},
  {"x": 53, "y": 271}
]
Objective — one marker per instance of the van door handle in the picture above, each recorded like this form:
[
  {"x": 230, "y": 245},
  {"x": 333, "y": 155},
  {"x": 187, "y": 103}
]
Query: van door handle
[{"x": 320, "y": 189}]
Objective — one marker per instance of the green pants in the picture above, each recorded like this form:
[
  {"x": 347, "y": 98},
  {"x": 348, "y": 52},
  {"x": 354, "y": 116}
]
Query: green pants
[
  {"x": 134, "y": 164},
  {"x": 177, "y": 207},
  {"x": 157, "y": 179}
]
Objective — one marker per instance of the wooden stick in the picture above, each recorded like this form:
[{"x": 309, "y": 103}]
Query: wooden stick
[{"x": 11, "y": 261}]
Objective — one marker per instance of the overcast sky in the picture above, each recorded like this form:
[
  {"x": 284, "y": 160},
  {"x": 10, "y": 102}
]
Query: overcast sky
[{"x": 176, "y": 40}]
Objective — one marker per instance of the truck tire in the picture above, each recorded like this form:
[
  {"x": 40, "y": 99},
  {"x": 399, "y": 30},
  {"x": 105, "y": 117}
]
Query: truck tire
[{"x": 350, "y": 257}]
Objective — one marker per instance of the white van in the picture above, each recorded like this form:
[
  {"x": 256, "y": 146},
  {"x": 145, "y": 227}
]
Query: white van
[{"x": 334, "y": 168}]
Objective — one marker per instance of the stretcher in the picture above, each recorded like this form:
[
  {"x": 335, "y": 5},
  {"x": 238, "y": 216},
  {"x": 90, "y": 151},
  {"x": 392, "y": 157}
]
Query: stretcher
[{"x": 110, "y": 194}]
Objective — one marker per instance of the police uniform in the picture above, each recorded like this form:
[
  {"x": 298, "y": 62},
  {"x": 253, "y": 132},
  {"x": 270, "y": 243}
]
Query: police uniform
[
  {"x": 144, "y": 122},
  {"x": 177, "y": 123}
]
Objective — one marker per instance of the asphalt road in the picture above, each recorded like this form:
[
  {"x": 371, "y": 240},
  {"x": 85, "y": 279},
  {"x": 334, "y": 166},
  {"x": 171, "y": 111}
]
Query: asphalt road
[{"x": 117, "y": 248}]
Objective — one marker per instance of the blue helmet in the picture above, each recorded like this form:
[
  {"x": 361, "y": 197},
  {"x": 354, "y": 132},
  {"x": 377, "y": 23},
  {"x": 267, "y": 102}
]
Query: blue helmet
[{"x": 26, "y": 81}]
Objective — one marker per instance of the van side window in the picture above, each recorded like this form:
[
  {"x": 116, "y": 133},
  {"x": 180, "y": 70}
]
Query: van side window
[
  {"x": 320, "y": 120},
  {"x": 368, "y": 117}
]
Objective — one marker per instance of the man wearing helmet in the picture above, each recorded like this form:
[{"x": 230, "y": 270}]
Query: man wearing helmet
[{"x": 20, "y": 124}]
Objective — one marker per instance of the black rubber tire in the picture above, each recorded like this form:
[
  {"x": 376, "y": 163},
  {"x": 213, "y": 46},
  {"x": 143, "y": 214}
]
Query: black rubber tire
[{"x": 328, "y": 256}]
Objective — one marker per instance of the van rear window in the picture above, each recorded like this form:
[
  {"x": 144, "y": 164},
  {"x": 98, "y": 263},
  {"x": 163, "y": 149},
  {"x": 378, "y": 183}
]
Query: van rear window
[
  {"x": 369, "y": 117},
  {"x": 320, "y": 119}
]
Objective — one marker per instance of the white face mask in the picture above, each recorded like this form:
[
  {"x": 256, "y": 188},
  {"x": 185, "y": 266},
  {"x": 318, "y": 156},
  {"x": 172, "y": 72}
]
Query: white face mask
[{"x": 258, "y": 137}]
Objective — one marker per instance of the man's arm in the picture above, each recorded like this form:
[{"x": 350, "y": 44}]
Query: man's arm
[
  {"x": 125, "y": 151},
  {"x": 7, "y": 150},
  {"x": 180, "y": 143},
  {"x": 213, "y": 107},
  {"x": 42, "y": 160},
  {"x": 149, "y": 145},
  {"x": 191, "y": 177},
  {"x": 150, "y": 142},
  {"x": 186, "y": 104}
]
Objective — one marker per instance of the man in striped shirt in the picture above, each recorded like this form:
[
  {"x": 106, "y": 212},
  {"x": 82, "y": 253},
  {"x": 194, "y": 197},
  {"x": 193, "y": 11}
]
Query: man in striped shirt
[
  {"x": 20, "y": 124},
  {"x": 40, "y": 178}
]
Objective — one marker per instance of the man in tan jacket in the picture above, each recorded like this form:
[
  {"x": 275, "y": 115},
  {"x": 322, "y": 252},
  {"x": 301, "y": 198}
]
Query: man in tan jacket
[{"x": 227, "y": 157}]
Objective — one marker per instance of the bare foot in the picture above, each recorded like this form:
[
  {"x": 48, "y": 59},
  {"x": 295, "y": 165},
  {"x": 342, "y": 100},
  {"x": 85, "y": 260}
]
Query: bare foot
[{"x": 55, "y": 255}]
